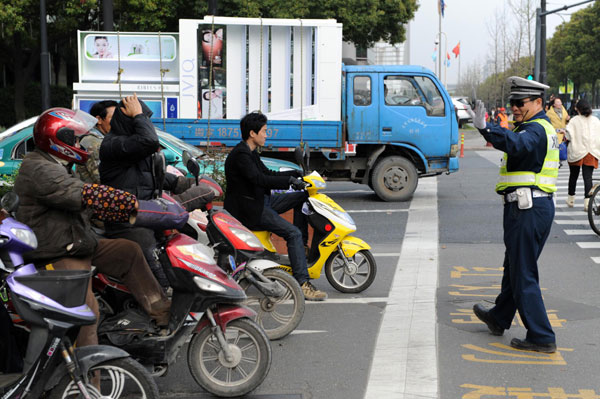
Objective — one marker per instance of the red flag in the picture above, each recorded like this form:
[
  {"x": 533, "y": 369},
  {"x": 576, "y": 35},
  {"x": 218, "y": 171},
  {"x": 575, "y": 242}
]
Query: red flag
[
  {"x": 448, "y": 55},
  {"x": 456, "y": 50}
]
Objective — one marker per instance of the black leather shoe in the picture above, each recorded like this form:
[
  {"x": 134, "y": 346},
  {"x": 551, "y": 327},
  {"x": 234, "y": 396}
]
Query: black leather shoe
[
  {"x": 525, "y": 345},
  {"x": 483, "y": 314}
]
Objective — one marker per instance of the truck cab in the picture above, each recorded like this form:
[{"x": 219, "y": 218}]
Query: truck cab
[{"x": 402, "y": 123}]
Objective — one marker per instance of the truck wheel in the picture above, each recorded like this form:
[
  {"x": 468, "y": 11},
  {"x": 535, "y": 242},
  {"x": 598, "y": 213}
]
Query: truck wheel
[{"x": 394, "y": 179}]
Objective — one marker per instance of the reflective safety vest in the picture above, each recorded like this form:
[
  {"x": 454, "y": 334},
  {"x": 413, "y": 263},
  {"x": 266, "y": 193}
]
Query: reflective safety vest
[
  {"x": 546, "y": 178},
  {"x": 503, "y": 120}
]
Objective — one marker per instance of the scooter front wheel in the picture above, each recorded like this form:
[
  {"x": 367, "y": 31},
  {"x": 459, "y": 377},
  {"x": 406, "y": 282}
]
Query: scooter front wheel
[
  {"x": 277, "y": 316},
  {"x": 117, "y": 378},
  {"x": 237, "y": 376},
  {"x": 353, "y": 274}
]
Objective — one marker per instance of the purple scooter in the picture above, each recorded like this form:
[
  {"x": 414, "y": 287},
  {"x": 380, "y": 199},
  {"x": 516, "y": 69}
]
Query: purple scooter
[{"x": 51, "y": 304}]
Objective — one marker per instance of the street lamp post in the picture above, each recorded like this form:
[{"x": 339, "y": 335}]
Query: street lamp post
[{"x": 107, "y": 15}]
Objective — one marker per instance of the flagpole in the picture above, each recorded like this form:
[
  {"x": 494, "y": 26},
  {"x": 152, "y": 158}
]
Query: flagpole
[
  {"x": 440, "y": 40},
  {"x": 459, "y": 57}
]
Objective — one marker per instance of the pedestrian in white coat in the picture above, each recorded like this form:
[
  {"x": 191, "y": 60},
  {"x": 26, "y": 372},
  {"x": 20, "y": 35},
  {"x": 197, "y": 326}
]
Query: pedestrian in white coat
[{"x": 583, "y": 134}]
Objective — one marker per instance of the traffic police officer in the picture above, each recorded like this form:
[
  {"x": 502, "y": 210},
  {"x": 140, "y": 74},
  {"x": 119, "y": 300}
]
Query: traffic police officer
[{"x": 527, "y": 180}]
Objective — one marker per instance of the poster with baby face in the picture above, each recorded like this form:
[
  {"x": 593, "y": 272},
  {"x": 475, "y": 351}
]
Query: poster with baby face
[{"x": 130, "y": 47}]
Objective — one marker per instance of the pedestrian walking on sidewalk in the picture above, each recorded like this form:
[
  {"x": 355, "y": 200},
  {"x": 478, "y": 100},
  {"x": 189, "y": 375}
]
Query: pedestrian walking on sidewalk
[
  {"x": 583, "y": 135},
  {"x": 527, "y": 182}
]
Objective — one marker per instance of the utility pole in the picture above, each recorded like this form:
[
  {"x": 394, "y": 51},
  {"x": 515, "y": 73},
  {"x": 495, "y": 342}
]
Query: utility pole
[
  {"x": 107, "y": 15},
  {"x": 44, "y": 58}
]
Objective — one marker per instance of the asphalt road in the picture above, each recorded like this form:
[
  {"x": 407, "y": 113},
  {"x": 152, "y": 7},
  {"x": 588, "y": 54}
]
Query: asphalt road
[{"x": 331, "y": 353}]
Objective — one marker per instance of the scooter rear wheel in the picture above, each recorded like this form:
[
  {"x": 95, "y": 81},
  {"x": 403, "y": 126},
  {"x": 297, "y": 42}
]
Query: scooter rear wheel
[
  {"x": 277, "y": 316},
  {"x": 246, "y": 371},
  {"x": 356, "y": 276}
]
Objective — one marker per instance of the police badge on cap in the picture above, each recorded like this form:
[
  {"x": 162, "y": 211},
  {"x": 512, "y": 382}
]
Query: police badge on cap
[{"x": 522, "y": 88}]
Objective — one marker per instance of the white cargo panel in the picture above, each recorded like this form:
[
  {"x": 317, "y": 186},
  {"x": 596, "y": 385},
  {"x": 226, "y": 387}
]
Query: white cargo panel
[{"x": 268, "y": 66}]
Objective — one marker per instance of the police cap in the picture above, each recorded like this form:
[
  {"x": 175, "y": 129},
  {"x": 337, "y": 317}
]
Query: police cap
[{"x": 522, "y": 88}]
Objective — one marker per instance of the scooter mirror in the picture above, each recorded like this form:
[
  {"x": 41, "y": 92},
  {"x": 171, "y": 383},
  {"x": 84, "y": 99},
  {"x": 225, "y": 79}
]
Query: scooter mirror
[
  {"x": 299, "y": 157},
  {"x": 185, "y": 157},
  {"x": 192, "y": 165},
  {"x": 159, "y": 167},
  {"x": 10, "y": 202},
  {"x": 306, "y": 158}
]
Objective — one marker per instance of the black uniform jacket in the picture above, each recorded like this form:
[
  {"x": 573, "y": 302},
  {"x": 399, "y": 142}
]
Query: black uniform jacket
[{"x": 248, "y": 181}]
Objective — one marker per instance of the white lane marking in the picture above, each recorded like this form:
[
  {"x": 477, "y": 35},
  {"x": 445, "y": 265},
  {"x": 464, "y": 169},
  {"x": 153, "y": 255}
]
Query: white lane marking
[
  {"x": 375, "y": 210},
  {"x": 596, "y": 259},
  {"x": 298, "y": 332},
  {"x": 405, "y": 359},
  {"x": 589, "y": 245},
  {"x": 571, "y": 221},
  {"x": 345, "y": 300},
  {"x": 580, "y": 232},
  {"x": 347, "y": 191}
]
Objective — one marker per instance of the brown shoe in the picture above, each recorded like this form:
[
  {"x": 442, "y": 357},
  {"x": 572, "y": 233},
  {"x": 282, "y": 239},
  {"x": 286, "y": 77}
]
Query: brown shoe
[{"x": 311, "y": 293}]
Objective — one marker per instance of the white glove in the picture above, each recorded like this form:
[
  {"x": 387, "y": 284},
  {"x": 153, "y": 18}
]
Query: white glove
[{"x": 479, "y": 115}]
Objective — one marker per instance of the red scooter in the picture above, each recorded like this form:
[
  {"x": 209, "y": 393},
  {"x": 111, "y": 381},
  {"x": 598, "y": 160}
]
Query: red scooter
[{"x": 228, "y": 355}]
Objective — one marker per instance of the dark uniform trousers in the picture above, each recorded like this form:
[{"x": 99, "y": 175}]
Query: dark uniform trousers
[{"x": 525, "y": 233}]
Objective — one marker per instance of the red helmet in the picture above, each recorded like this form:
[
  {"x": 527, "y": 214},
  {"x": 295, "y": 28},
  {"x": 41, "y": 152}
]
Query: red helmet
[{"x": 57, "y": 129}]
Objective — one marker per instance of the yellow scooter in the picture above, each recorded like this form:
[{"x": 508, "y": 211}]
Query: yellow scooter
[{"x": 349, "y": 265}]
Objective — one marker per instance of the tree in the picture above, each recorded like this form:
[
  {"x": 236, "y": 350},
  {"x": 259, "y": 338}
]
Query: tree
[
  {"x": 573, "y": 51},
  {"x": 364, "y": 21}
]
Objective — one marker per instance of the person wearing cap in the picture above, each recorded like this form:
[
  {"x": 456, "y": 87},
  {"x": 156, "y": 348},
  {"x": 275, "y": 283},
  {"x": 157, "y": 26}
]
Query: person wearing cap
[
  {"x": 528, "y": 175},
  {"x": 502, "y": 118}
]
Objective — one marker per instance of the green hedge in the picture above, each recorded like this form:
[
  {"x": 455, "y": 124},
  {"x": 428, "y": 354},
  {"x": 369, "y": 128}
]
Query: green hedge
[{"x": 60, "y": 96}]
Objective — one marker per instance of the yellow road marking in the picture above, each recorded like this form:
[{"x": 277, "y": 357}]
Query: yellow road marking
[{"x": 537, "y": 358}]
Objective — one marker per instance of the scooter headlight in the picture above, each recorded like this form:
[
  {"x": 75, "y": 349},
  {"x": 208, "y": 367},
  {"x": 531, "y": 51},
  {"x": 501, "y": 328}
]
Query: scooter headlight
[
  {"x": 26, "y": 236},
  {"x": 207, "y": 285}
]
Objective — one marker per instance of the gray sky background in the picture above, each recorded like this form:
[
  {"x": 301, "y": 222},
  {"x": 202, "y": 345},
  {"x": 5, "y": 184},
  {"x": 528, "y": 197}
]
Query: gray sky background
[{"x": 466, "y": 21}]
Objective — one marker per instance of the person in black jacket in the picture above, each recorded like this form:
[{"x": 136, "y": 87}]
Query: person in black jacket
[
  {"x": 126, "y": 163},
  {"x": 248, "y": 198}
]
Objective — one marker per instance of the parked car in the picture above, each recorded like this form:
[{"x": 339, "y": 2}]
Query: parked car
[
  {"x": 17, "y": 141},
  {"x": 462, "y": 107}
]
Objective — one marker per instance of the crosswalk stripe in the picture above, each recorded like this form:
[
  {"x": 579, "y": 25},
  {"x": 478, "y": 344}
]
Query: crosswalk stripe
[
  {"x": 580, "y": 232},
  {"x": 596, "y": 259},
  {"x": 572, "y": 213},
  {"x": 571, "y": 221},
  {"x": 588, "y": 245}
]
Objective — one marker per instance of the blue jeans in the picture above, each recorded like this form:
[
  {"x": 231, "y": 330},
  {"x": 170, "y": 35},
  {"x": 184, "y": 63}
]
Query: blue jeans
[{"x": 295, "y": 234}]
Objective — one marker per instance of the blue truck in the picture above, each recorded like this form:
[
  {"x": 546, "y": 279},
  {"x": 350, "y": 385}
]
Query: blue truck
[{"x": 398, "y": 124}]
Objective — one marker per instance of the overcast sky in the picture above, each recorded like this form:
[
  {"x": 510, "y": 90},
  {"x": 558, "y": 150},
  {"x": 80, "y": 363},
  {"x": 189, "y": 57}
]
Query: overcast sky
[{"x": 465, "y": 21}]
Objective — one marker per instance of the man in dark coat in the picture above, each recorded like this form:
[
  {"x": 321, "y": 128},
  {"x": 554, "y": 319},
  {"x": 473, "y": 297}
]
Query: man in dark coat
[{"x": 248, "y": 197}]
